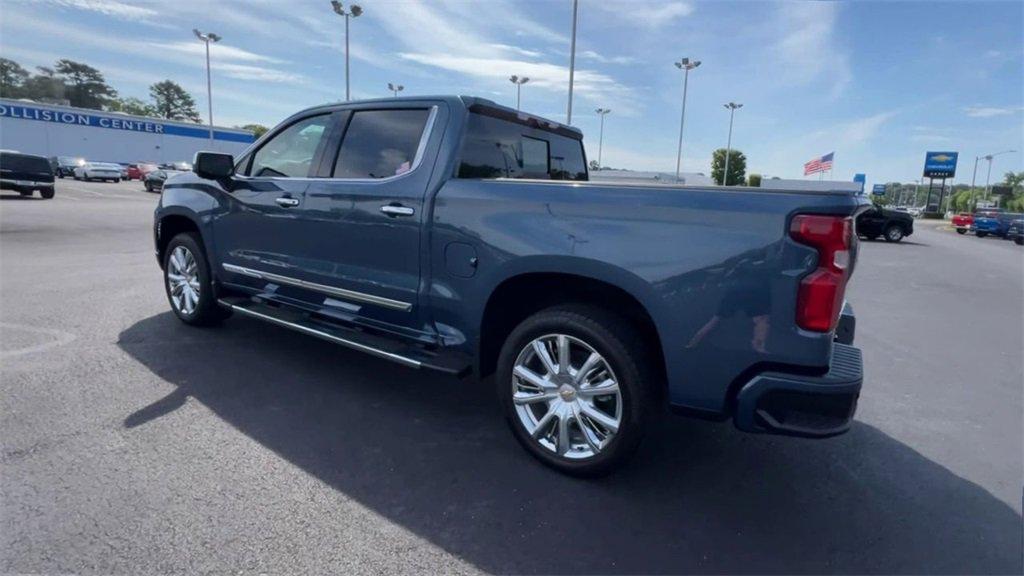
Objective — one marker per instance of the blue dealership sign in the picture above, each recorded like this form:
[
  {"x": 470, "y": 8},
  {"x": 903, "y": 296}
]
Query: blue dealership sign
[
  {"x": 127, "y": 123},
  {"x": 861, "y": 179},
  {"x": 878, "y": 190},
  {"x": 940, "y": 164}
]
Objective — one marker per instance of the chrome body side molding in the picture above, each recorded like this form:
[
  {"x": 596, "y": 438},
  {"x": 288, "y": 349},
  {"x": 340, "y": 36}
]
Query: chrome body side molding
[{"x": 322, "y": 288}]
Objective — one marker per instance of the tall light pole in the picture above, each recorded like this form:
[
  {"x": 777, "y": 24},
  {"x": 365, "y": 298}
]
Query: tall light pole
[
  {"x": 685, "y": 65},
  {"x": 206, "y": 38},
  {"x": 572, "y": 60},
  {"x": 602, "y": 112},
  {"x": 732, "y": 106},
  {"x": 395, "y": 88},
  {"x": 989, "y": 157},
  {"x": 354, "y": 11},
  {"x": 518, "y": 81}
]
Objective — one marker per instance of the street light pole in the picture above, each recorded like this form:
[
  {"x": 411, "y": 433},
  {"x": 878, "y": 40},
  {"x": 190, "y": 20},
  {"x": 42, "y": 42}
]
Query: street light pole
[
  {"x": 395, "y": 88},
  {"x": 572, "y": 60},
  {"x": 989, "y": 157},
  {"x": 732, "y": 106},
  {"x": 602, "y": 112},
  {"x": 206, "y": 38},
  {"x": 685, "y": 65},
  {"x": 518, "y": 81},
  {"x": 354, "y": 11}
]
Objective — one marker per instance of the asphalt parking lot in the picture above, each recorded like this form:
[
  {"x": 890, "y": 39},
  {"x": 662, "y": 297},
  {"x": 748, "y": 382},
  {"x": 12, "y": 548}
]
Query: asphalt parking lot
[{"x": 134, "y": 444}]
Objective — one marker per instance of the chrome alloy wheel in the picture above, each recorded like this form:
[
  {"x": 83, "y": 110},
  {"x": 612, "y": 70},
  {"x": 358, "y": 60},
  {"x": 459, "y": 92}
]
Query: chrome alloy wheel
[
  {"x": 566, "y": 396},
  {"x": 183, "y": 280}
]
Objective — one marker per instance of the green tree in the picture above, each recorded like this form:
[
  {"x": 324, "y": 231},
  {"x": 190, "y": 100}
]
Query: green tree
[
  {"x": 132, "y": 105},
  {"x": 256, "y": 129},
  {"x": 86, "y": 87},
  {"x": 12, "y": 78},
  {"x": 737, "y": 167},
  {"x": 1014, "y": 180},
  {"x": 45, "y": 86},
  {"x": 173, "y": 102},
  {"x": 754, "y": 180}
]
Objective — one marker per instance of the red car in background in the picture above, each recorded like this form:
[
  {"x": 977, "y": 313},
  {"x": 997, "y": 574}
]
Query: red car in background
[
  {"x": 962, "y": 222},
  {"x": 139, "y": 170}
]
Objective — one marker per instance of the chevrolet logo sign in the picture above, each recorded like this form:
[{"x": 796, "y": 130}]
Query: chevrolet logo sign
[{"x": 941, "y": 158}]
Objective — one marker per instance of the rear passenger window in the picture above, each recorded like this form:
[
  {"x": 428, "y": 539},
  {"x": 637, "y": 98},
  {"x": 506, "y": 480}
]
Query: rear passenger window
[
  {"x": 496, "y": 148},
  {"x": 290, "y": 152},
  {"x": 380, "y": 143}
]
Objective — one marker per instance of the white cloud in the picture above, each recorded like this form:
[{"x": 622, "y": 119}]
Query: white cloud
[
  {"x": 806, "y": 52},
  {"x": 219, "y": 51},
  {"x": 648, "y": 14},
  {"x": 113, "y": 8},
  {"x": 991, "y": 111},
  {"x": 596, "y": 57},
  {"x": 517, "y": 50}
]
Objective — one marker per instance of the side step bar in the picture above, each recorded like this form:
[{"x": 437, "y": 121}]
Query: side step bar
[{"x": 410, "y": 356}]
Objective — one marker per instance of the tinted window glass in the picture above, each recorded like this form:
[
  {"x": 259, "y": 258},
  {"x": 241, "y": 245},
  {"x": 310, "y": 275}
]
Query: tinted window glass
[
  {"x": 22, "y": 163},
  {"x": 380, "y": 143},
  {"x": 495, "y": 148},
  {"x": 291, "y": 151},
  {"x": 535, "y": 157}
]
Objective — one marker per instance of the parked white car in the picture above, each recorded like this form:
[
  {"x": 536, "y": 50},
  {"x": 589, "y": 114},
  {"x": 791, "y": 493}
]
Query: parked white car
[{"x": 98, "y": 171}]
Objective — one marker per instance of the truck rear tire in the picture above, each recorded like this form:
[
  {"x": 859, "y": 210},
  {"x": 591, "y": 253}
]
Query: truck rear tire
[
  {"x": 576, "y": 388},
  {"x": 893, "y": 233},
  {"x": 188, "y": 283},
  {"x": 46, "y": 193}
]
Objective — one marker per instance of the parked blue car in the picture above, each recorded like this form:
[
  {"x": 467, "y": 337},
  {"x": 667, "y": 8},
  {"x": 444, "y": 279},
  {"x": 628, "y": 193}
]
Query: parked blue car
[
  {"x": 994, "y": 223},
  {"x": 454, "y": 234}
]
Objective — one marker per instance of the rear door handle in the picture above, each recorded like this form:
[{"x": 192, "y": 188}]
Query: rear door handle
[
  {"x": 287, "y": 202},
  {"x": 397, "y": 210}
]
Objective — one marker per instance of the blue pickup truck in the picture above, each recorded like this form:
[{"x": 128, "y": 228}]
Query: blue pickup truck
[{"x": 453, "y": 234}]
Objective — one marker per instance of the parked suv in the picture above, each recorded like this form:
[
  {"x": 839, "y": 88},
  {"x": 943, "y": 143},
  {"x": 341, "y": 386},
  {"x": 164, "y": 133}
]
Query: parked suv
[
  {"x": 889, "y": 224},
  {"x": 457, "y": 235},
  {"x": 26, "y": 173}
]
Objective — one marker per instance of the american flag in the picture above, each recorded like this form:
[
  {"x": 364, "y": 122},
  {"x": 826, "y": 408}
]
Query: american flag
[{"x": 823, "y": 164}]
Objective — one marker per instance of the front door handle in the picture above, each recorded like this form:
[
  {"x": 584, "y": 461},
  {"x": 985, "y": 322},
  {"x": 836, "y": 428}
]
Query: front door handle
[
  {"x": 397, "y": 210},
  {"x": 287, "y": 202}
]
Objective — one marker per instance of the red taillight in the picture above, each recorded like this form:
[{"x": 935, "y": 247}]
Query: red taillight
[{"x": 820, "y": 298}]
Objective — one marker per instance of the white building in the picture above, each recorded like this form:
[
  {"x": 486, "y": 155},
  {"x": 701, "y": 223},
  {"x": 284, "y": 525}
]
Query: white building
[{"x": 49, "y": 130}]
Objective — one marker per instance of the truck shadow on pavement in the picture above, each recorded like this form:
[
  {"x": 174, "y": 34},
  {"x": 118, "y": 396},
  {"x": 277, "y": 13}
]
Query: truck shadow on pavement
[{"x": 433, "y": 455}]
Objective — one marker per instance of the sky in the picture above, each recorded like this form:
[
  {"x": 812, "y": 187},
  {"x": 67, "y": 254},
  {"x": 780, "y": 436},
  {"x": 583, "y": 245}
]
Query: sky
[{"x": 878, "y": 83}]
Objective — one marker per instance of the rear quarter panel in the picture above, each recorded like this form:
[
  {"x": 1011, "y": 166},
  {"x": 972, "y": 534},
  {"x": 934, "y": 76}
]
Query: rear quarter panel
[{"x": 714, "y": 268}]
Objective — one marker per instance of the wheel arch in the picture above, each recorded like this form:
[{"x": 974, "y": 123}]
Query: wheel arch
[
  {"x": 527, "y": 290},
  {"x": 171, "y": 224}
]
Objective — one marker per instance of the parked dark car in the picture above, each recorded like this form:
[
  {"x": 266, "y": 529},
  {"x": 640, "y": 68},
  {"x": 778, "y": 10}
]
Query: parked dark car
[
  {"x": 26, "y": 173},
  {"x": 154, "y": 180},
  {"x": 1015, "y": 231},
  {"x": 65, "y": 165},
  {"x": 182, "y": 166},
  {"x": 889, "y": 224},
  {"x": 458, "y": 235}
]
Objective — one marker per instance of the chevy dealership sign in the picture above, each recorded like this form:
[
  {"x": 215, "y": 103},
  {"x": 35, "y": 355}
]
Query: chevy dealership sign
[
  {"x": 131, "y": 124},
  {"x": 940, "y": 164}
]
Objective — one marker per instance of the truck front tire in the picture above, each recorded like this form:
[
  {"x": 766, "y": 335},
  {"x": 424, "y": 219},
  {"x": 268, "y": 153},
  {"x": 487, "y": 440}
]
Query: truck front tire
[
  {"x": 575, "y": 385},
  {"x": 187, "y": 282}
]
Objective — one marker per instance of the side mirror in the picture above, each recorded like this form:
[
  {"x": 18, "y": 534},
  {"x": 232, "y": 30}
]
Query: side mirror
[{"x": 213, "y": 165}]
